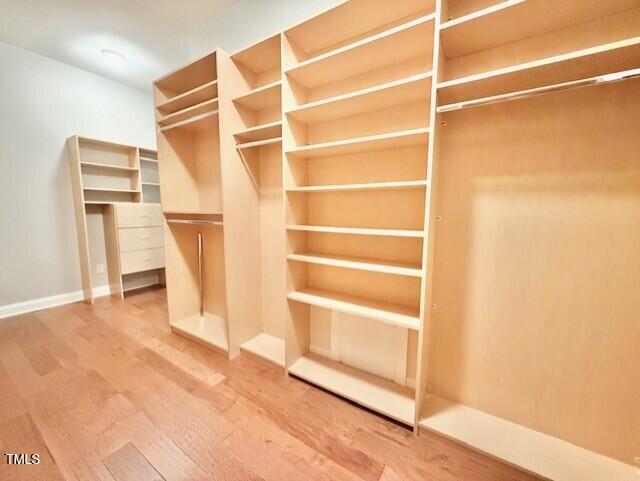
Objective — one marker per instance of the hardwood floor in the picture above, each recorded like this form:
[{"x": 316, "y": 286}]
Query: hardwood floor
[{"x": 106, "y": 392}]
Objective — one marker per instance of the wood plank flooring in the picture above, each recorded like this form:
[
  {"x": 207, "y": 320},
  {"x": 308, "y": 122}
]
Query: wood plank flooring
[{"x": 107, "y": 393}]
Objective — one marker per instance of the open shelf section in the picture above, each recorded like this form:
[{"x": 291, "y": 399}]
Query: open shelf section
[
  {"x": 590, "y": 62},
  {"x": 358, "y": 231},
  {"x": 389, "y": 313},
  {"x": 262, "y": 97},
  {"x": 267, "y": 347},
  {"x": 259, "y": 143},
  {"x": 525, "y": 448},
  {"x": 404, "y": 42},
  {"x": 385, "y": 397},
  {"x": 108, "y": 166},
  {"x": 261, "y": 132},
  {"x": 188, "y": 99},
  {"x": 191, "y": 121},
  {"x": 193, "y": 111},
  {"x": 409, "y": 184},
  {"x": 371, "y": 265},
  {"x": 513, "y": 20},
  {"x": 392, "y": 140},
  {"x": 262, "y": 57},
  {"x": 411, "y": 89},
  {"x": 210, "y": 330},
  {"x": 184, "y": 80}
]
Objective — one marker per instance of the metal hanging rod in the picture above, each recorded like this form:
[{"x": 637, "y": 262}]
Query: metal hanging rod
[
  {"x": 195, "y": 222},
  {"x": 521, "y": 94}
]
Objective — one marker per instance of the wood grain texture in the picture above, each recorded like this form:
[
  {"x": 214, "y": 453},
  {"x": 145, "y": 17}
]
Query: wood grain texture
[{"x": 105, "y": 392}]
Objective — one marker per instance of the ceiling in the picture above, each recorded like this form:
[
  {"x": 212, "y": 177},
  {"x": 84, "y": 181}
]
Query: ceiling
[{"x": 151, "y": 34}]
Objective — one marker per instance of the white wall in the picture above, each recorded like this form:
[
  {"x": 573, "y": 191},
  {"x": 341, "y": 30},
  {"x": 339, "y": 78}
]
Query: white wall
[
  {"x": 42, "y": 102},
  {"x": 249, "y": 21}
]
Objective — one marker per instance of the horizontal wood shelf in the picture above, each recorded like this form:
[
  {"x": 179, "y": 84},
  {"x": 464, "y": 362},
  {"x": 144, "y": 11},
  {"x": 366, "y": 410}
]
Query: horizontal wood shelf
[
  {"x": 147, "y": 159},
  {"x": 193, "y": 97},
  {"x": 600, "y": 60},
  {"x": 411, "y": 89},
  {"x": 404, "y": 42},
  {"x": 358, "y": 231},
  {"x": 210, "y": 330},
  {"x": 267, "y": 347},
  {"x": 380, "y": 395},
  {"x": 260, "y": 132},
  {"x": 106, "y": 189},
  {"x": 392, "y": 140},
  {"x": 408, "y": 184},
  {"x": 259, "y": 143},
  {"x": 517, "y": 445},
  {"x": 155, "y": 184},
  {"x": 108, "y": 166},
  {"x": 195, "y": 110},
  {"x": 268, "y": 96},
  {"x": 386, "y": 312},
  {"x": 513, "y": 20},
  {"x": 190, "y": 121},
  {"x": 370, "y": 265}
]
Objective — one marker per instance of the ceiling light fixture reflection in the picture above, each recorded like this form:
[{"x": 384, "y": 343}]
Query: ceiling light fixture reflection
[{"x": 113, "y": 58}]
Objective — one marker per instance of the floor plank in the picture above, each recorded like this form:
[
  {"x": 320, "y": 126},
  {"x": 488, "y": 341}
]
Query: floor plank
[{"x": 128, "y": 464}]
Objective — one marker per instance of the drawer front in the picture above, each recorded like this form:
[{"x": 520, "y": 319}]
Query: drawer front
[
  {"x": 139, "y": 215},
  {"x": 138, "y": 238},
  {"x": 138, "y": 261}
]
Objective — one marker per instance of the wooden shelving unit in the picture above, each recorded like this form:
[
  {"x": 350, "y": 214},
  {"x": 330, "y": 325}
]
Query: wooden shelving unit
[{"x": 106, "y": 175}]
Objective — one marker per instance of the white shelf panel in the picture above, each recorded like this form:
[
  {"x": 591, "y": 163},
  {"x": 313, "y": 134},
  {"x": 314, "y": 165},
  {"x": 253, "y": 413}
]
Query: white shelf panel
[
  {"x": 267, "y": 347},
  {"x": 395, "y": 314},
  {"x": 210, "y": 330},
  {"x": 371, "y": 265},
  {"x": 380, "y": 395},
  {"x": 358, "y": 231}
]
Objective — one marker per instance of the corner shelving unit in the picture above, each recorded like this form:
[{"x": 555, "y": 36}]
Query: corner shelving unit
[
  {"x": 356, "y": 135},
  {"x": 187, "y": 115}
]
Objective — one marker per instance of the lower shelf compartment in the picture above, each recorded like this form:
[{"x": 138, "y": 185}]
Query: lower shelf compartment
[
  {"x": 209, "y": 329},
  {"x": 380, "y": 395},
  {"x": 520, "y": 446},
  {"x": 267, "y": 347}
]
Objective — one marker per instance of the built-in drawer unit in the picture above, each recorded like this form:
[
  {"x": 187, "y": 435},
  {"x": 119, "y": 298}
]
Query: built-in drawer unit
[
  {"x": 142, "y": 260},
  {"x": 138, "y": 215},
  {"x": 138, "y": 238}
]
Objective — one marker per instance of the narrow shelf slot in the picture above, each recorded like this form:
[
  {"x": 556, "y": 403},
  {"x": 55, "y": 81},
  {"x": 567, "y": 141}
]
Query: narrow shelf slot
[
  {"x": 392, "y": 140},
  {"x": 107, "y": 166},
  {"x": 190, "y": 77},
  {"x": 404, "y": 42},
  {"x": 106, "y": 189},
  {"x": 210, "y": 330},
  {"x": 260, "y": 132},
  {"x": 259, "y": 143},
  {"x": 358, "y": 231},
  {"x": 191, "y": 121},
  {"x": 409, "y": 184},
  {"x": 380, "y": 395},
  {"x": 267, "y": 347},
  {"x": 386, "y": 312},
  {"x": 411, "y": 89},
  {"x": 370, "y": 265},
  {"x": 262, "y": 97},
  {"x": 188, "y": 99},
  {"x": 181, "y": 115}
]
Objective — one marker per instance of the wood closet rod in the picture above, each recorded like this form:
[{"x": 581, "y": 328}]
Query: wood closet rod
[
  {"x": 522, "y": 94},
  {"x": 194, "y": 222}
]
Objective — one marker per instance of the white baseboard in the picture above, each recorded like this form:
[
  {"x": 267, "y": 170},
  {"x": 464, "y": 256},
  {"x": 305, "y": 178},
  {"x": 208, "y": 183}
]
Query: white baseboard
[{"x": 32, "y": 305}]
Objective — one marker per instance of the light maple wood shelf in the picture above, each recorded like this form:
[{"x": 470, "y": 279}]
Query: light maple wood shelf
[
  {"x": 146, "y": 159},
  {"x": 198, "y": 95},
  {"x": 210, "y": 330},
  {"x": 260, "y": 132},
  {"x": 388, "y": 398},
  {"x": 106, "y": 189},
  {"x": 264, "y": 97},
  {"x": 392, "y": 46},
  {"x": 371, "y": 265},
  {"x": 108, "y": 166},
  {"x": 191, "y": 123},
  {"x": 266, "y": 347},
  {"x": 391, "y": 140},
  {"x": 408, "y": 184},
  {"x": 411, "y": 89},
  {"x": 259, "y": 143},
  {"x": 189, "y": 112},
  {"x": 416, "y": 234}
]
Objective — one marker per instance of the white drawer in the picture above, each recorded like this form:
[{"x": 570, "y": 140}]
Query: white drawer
[
  {"x": 137, "y": 238},
  {"x": 139, "y": 215},
  {"x": 139, "y": 261}
]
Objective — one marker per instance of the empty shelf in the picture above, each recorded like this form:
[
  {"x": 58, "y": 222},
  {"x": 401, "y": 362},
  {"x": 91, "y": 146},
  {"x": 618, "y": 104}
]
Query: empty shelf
[
  {"x": 392, "y": 140},
  {"x": 410, "y": 40},
  {"x": 358, "y": 231},
  {"x": 147, "y": 159},
  {"x": 371, "y": 265},
  {"x": 380, "y": 395},
  {"x": 194, "y": 122},
  {"x": 267, "y": 347},
  {"x": 185, "y": 114},
  {"x": 260, "y": 132},
  {"x": 590, "y": 62},
  {"x": 395, "y": 314},
  {"x": 517, "y": 445},
  {"x": 107, "y": 166},
  {"x": 209, "y": 329},
  {"x": 262, "y": 98},
  {"x": 261, "y": 57},
  {"x": 156, "y": 184},
  {"x": 411, "y": 89},
  {"x": 408, "y": 184},
  {"x": 193, "y": 97},
  {"x": 106, "y": 189},
  {"x": 513, "y": 20},
  {"x": 259, "y": 143}
]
